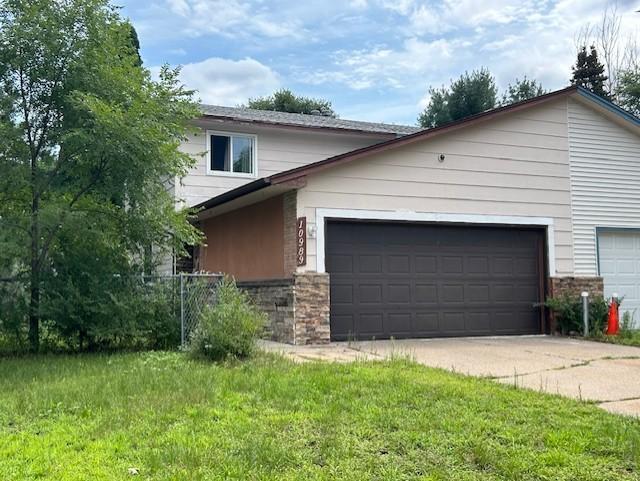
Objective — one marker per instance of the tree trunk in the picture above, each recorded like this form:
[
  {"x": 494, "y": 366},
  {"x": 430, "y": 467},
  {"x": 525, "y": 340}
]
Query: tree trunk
[{"x": 34, "y": 280}]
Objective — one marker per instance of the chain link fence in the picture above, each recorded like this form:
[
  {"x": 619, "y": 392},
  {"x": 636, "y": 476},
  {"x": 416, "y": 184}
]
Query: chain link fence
[
  {"x": 195, "y": 292},
  {"x": 159, "y": 306}
]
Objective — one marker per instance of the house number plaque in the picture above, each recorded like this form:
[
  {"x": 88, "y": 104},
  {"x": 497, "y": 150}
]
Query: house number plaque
[{"x": 301, "y": 241}]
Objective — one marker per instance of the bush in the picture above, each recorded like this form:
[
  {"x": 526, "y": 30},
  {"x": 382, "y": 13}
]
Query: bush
[
  {"x": 568, "y": 312},
  {"x": 230, "y": 328}
]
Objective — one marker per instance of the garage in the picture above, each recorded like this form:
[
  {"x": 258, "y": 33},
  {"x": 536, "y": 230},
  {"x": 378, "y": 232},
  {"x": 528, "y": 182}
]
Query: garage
[
  {"x": 406, "y": 280},
  {"x": 619, "y": 262}
]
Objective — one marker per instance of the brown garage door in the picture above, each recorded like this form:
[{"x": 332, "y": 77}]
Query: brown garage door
[{"x": 421, "y": 280}]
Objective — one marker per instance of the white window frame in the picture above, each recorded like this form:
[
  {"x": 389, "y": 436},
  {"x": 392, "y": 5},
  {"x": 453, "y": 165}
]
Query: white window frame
[
  {"x": 324, "y": 214},
  {"x": 224, "y": 173}
]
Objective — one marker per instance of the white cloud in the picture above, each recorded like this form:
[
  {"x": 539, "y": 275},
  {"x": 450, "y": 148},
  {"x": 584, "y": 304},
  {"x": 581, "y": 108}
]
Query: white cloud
[
  {"x": 230, "y": 18},
  {"x": 229, "y": 82}
]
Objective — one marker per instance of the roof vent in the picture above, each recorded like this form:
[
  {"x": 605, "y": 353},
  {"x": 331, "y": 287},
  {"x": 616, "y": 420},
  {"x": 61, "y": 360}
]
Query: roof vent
[
  {"x": 316, "y": 112},
  {"x": 326, "y": 112}
]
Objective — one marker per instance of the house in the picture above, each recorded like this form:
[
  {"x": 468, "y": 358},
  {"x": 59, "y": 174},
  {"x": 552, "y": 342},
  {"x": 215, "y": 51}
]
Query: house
[{"x": 356, "y": 232}]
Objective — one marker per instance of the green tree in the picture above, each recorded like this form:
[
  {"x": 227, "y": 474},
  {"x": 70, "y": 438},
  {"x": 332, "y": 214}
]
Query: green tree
[
  {"x": 521, "y": 90},
  {"x": 629, "y": 90},
  {"x": 588, "y": 72},
  {"x": 88, "y": 142},
  {"x": 285, "y": 100},
  {"x": 470, "y": 94}
]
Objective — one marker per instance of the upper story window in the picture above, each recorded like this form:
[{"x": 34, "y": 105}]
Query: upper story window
[{"x": 231, "y": 154}]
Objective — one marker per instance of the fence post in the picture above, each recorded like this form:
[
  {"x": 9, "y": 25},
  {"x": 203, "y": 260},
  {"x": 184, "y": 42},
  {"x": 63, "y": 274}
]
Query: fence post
[
  {"x": 585, "y": 312},
  {"x": 182, "y": 310}
]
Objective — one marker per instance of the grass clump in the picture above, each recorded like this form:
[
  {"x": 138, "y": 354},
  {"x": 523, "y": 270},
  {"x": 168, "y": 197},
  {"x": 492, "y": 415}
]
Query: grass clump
[{"x": 230, "y": 328}]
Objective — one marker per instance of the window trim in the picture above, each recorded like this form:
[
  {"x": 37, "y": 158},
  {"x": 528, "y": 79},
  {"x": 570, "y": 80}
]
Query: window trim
[{"x": 224, "y": 173}]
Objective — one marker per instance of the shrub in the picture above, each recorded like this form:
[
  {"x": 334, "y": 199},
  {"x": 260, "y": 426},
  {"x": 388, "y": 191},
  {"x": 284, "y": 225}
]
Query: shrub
[
  {"x": 230, "y": 328},
  {"x": 568, "y": 312}
]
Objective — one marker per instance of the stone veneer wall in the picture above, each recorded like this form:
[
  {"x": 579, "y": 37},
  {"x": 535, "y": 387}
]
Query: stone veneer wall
[
  {"x": 574, "y": 286},
  {"x": 312, "y": 308},
  {"x": 298, "y": 307},
  {"x": 276, "y": 299}
]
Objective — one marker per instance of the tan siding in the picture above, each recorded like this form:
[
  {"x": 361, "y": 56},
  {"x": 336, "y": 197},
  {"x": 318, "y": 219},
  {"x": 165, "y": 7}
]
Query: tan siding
[
  {"x": 278, "y": 150},
  {"x": 605, "y": 180},
  {"x": 514, "y": 166}
]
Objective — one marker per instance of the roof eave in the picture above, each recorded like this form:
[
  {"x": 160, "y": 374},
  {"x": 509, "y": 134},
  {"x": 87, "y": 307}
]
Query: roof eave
[{"x": 318, "y": 128}]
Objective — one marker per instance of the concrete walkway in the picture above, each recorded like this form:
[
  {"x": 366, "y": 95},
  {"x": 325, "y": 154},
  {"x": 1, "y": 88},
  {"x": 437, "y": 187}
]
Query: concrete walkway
[{"x": 604, "y": 373}]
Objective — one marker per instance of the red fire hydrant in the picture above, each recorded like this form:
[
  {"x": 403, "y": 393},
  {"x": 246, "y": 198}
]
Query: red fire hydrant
[{"x": 613, "y": 321}]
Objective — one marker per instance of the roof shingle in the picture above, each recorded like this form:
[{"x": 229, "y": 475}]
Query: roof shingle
[{"x": 240, "y": 114}]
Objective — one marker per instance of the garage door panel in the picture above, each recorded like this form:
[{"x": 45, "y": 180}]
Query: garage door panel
[
  {"x": 340, "y": 264},
  {"x": 477, "y": 265},
  {"x": 370, "y": 324},
  {"x": 426, "y": 322},
  {"x": 398, "y": 264},
  {"x": 452, "y": 293},
  {"x": 370, "y": 264},
  {"x": 429, "y": 280},
  {"x": 426, "y": 293},
  {"x": 341, "y": 293},
  {"x": 425, "y": 264},
  {"x": 453, "y": 322},
  {"x": 451, "y": 265},
  {"x": 477, "y": 293},
  {"x": 370, "y": 293},
  {"x": 399, "y": 293},
  {"x": 619, "y": 261}
]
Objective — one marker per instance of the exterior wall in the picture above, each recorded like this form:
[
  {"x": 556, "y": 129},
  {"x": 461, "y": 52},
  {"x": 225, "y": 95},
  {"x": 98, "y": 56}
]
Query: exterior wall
[
  {"x": 514, "y": 166},
  {"x": 605, "y": 180},
  {"x": 298, "y": 307},
  {"x": 247, "y": 243},
  {"x": 278, "y": 149},
  {"x": 275, "y": 298}
]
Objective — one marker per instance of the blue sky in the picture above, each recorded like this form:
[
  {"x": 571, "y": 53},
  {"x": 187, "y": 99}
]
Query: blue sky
[{"x": 374, "y": 59}]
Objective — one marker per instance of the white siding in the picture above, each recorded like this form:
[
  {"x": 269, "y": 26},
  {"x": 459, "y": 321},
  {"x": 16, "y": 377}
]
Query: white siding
[
  {"x": 605, "y": 180},
  {"x": 278, "y": 149},
  {"x": 514, "y": 166}
]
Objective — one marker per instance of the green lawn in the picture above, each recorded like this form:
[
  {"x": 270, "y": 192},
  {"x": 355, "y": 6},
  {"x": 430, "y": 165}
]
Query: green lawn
[{"x": 94, "y": 417}]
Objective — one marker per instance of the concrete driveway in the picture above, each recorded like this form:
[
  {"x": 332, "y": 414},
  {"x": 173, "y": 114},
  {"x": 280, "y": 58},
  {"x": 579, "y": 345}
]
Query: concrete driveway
[{"x": 604, "y": 373}]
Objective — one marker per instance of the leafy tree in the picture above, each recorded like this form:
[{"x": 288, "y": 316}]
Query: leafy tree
[
  {"x": 521, "y": 90},
  {"x": 629, "y": 91},
  {"x": 285, "y": 100},
  {"x": 87, "y": 143},
  {"x": 468, "y": 95},
  {"x": 588, "y": 72}
]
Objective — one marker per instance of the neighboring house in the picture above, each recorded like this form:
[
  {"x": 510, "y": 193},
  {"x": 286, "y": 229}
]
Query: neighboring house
[{"x": 452, "y": 231}]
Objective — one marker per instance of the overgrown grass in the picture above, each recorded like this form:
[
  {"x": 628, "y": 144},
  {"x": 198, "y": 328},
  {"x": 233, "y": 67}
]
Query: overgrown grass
[
  {"x": 625, "y": 338},
  {"x": 93, "y": 417}
]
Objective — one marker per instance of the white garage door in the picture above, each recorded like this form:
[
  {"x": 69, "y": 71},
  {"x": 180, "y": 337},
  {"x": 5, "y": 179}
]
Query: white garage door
[{"x": 619, "y": 257}]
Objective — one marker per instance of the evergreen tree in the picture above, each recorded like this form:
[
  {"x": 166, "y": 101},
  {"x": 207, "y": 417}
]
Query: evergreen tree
[
  {"x": 588, "y": 72},
  {"x": 472, "y": 93},
  {"x": 522, "y": 90}
]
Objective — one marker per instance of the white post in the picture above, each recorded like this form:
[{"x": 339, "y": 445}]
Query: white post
[
  {"x": 585, "y": 313},
  {"x": 182, "y": 310}
]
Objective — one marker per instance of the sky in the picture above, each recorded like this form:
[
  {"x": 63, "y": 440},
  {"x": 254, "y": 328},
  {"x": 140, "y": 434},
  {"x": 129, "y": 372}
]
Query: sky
[{"x": 373, "y": 59}]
